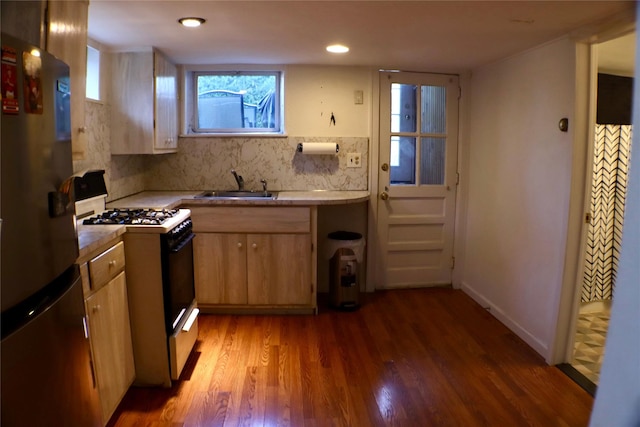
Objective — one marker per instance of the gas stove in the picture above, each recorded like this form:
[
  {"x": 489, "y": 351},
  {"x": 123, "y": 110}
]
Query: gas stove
[
  {"x": 92, "y": 212},
  {"x": 132, "y": 217}
]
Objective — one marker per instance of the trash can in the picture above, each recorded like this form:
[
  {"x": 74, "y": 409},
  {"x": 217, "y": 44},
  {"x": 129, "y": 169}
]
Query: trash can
[{"x": 346, "y": 250}]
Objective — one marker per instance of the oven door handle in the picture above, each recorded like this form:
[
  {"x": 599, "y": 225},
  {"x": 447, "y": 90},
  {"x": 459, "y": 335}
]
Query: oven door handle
[
  {"x": 192, "y": 318},
  {"x": 183, "y": 243}
]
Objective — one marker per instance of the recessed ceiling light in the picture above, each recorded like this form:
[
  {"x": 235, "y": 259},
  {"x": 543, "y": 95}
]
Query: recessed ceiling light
[
  {"x": 337, "y": 48},
  {"x": 192, "y": 21}
]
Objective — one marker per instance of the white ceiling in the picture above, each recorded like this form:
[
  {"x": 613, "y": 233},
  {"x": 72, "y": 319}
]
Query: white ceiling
[{"x": 409, "y": 35}]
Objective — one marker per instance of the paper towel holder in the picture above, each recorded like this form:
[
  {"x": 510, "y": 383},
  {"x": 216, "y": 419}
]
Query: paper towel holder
[{"x": 299, "y": 148}]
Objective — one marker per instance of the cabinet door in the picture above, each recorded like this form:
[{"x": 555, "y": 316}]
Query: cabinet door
[
  {"x": 220, "y": 262},
  {"x": 110, "y": 331},
  {"x": 132, "y": 103},
  {"x": 67, "y": 39},
  {"x": 279, "y": 269},
  {"x": 24, "y": 20},
  {"x": 166, "y": 93}
]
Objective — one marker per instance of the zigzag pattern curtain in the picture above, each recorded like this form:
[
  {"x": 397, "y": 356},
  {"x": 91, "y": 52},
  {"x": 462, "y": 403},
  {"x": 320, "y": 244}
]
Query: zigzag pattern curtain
[{"x": 611, "y": 162}]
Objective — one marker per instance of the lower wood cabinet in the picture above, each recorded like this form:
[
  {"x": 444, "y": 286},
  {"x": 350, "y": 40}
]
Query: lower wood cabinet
[
  {"x": 254, "y": 258},
  {"x": 255, "y": 269},
  {"x": 106, "y": 304},
  {"x": 110, "y": 333}
]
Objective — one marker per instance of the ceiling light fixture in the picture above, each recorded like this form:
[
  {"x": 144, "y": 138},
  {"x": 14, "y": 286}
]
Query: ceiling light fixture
[
  {"x": 337, "y": 48},
  {"x": 192, "y": 21}
]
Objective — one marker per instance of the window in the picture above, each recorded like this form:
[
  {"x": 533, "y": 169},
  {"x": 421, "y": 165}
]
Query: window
[
  {"x": 237, "y": 102},
  {"x": 93, "y": 73},
  {"x": 416, "y": 107}
]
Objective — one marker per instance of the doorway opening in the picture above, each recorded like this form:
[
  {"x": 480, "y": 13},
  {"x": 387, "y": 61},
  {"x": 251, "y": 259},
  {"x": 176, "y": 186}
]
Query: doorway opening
[{"x": 605, "y": 218}]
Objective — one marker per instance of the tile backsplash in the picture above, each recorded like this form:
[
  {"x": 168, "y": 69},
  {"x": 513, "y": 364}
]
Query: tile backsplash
[{"x": 205, "y": 163}]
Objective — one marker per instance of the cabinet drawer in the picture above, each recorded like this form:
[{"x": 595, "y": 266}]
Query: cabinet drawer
[
  {"x": 227, "y": 219},
  {"x": 106, "y": 266},
  {"x": 181, "y": 343}
]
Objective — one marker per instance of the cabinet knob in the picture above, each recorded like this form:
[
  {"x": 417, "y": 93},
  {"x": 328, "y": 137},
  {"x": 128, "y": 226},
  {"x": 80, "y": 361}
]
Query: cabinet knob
[
  {"x": 254, "y": 245},
  {"x": 96, "y": 308},
  {"x": 112, "y": 263},
  {"x": 239, "y": 244}
]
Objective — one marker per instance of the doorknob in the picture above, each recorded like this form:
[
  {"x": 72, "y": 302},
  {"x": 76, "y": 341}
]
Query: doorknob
[
  {"x": 384, "y": 195},
  {"x": 385, "y": 167}
]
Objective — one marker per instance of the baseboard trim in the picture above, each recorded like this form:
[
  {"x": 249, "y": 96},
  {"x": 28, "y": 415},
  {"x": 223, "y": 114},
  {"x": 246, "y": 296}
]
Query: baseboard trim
[
  {"x": 540, "y": 347},
  {"x": 578, "y": 378}
]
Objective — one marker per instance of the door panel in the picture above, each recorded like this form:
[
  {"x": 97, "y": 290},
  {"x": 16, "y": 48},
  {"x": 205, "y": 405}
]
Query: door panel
[
  {"x": 279, "y": 269},
  {"x": 220, "y": 268},
  {"x": 418, "y": 177}
]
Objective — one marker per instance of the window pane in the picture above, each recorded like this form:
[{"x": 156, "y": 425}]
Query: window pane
[
  {"x": 403, "y": 107},
  {"x": 404, "y": 171},
  {"x": 434, "y": 109},
  {"x": 93, "y": 73},
  {"x": 432, "y": 161},
  {"x": 238, "y": 101}
]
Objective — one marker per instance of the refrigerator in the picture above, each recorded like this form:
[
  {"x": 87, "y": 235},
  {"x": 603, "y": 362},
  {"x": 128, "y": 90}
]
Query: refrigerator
[{"x": 46, "y": 378}]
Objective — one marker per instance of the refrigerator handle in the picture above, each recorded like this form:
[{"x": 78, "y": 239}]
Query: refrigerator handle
[{"x": 86, "y": 336}]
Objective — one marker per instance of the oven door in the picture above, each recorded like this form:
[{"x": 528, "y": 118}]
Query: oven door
[
  {"x": 181, "y": 313},
  {"x": 177, "y": 281},
  {"x": 182, "y": 341}
]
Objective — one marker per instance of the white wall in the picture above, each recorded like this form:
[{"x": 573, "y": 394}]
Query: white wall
[
  {"x": 519, "y": 186},
  {"x": 618, "y": 396},
  {"x": 312, "y": 93}
]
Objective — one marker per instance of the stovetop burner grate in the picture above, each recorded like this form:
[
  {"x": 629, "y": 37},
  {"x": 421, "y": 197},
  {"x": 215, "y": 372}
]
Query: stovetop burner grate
[{"x": 132, "y": 217}]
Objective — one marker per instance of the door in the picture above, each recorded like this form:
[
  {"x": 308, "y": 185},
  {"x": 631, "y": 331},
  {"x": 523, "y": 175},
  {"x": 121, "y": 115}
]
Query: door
[
  {"x": 220, "y": 261},
  {"x": 269, "y": 281},
  {"x": 166, "y": 103},
  {"x": 108, "y": 312},
  {"x": 46, "y": 363},
  {"x": 417, "y": 177}
]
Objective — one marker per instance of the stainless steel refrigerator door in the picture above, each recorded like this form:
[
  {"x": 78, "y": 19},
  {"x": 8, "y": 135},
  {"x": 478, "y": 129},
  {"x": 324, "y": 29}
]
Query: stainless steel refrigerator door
[
  {"x": 39, "y": 239},
  {"x": 47, "y": 377}
]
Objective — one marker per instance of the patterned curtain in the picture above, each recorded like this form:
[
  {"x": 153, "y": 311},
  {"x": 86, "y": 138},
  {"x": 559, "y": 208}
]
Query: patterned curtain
[{"x": 611, "y": 162}]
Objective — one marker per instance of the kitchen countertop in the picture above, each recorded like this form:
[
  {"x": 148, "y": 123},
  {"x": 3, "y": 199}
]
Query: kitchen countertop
[
  {"x": 174, "y": 199},
  {"x": 92, "y": 237}
]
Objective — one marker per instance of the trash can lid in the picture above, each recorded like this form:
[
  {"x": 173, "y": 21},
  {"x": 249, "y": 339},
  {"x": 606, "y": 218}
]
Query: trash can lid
[{"x": 345, "y": 235}]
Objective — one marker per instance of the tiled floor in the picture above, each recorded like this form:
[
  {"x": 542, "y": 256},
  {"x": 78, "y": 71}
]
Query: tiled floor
[{"x": 589, "y": 345}]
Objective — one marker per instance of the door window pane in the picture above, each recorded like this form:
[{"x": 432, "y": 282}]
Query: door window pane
[
  {"x": 434, "y": 108},
  {"x": 432, "y": 161},
  {"x": 403, "y": 166},
  {"x": 403, "y": 107}
]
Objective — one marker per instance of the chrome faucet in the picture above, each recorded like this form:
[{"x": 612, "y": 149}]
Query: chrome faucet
[
  {"x": 264, "y": 186},
  {"x": 239, "y": 180}
]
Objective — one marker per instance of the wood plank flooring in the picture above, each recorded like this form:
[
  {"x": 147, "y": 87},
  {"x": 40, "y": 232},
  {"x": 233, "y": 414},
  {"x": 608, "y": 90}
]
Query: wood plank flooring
[{"x": 427, "y": 357}]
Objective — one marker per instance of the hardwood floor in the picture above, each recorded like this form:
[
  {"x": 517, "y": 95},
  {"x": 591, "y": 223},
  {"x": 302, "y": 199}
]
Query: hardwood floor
[{"x": 429, "y": 357}]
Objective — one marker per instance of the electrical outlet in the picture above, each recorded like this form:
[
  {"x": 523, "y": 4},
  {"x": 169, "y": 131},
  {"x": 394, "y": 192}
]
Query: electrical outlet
[{"x": 354, "y": 160}]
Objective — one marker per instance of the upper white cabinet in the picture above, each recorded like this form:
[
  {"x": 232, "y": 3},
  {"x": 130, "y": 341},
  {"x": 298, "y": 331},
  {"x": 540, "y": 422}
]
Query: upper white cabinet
[
  {"x": 59, "y": 27},
  {"x": 144, "y": 103},
  {"x": 67, "y": 39}
]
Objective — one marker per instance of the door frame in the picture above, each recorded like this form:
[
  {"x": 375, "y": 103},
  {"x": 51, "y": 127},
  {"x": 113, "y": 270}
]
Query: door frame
[
  {"x": 564, "y": 329},
  {"x": 374, "y": 268}
]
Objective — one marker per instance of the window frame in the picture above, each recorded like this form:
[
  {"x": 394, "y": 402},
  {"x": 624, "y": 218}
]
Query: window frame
[
  {"x": 190, "y": 107},
  {"x": 98, "y": 48}
]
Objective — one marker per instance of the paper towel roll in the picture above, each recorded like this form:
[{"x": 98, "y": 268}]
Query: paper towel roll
[{"x": 318, "y": 148}]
